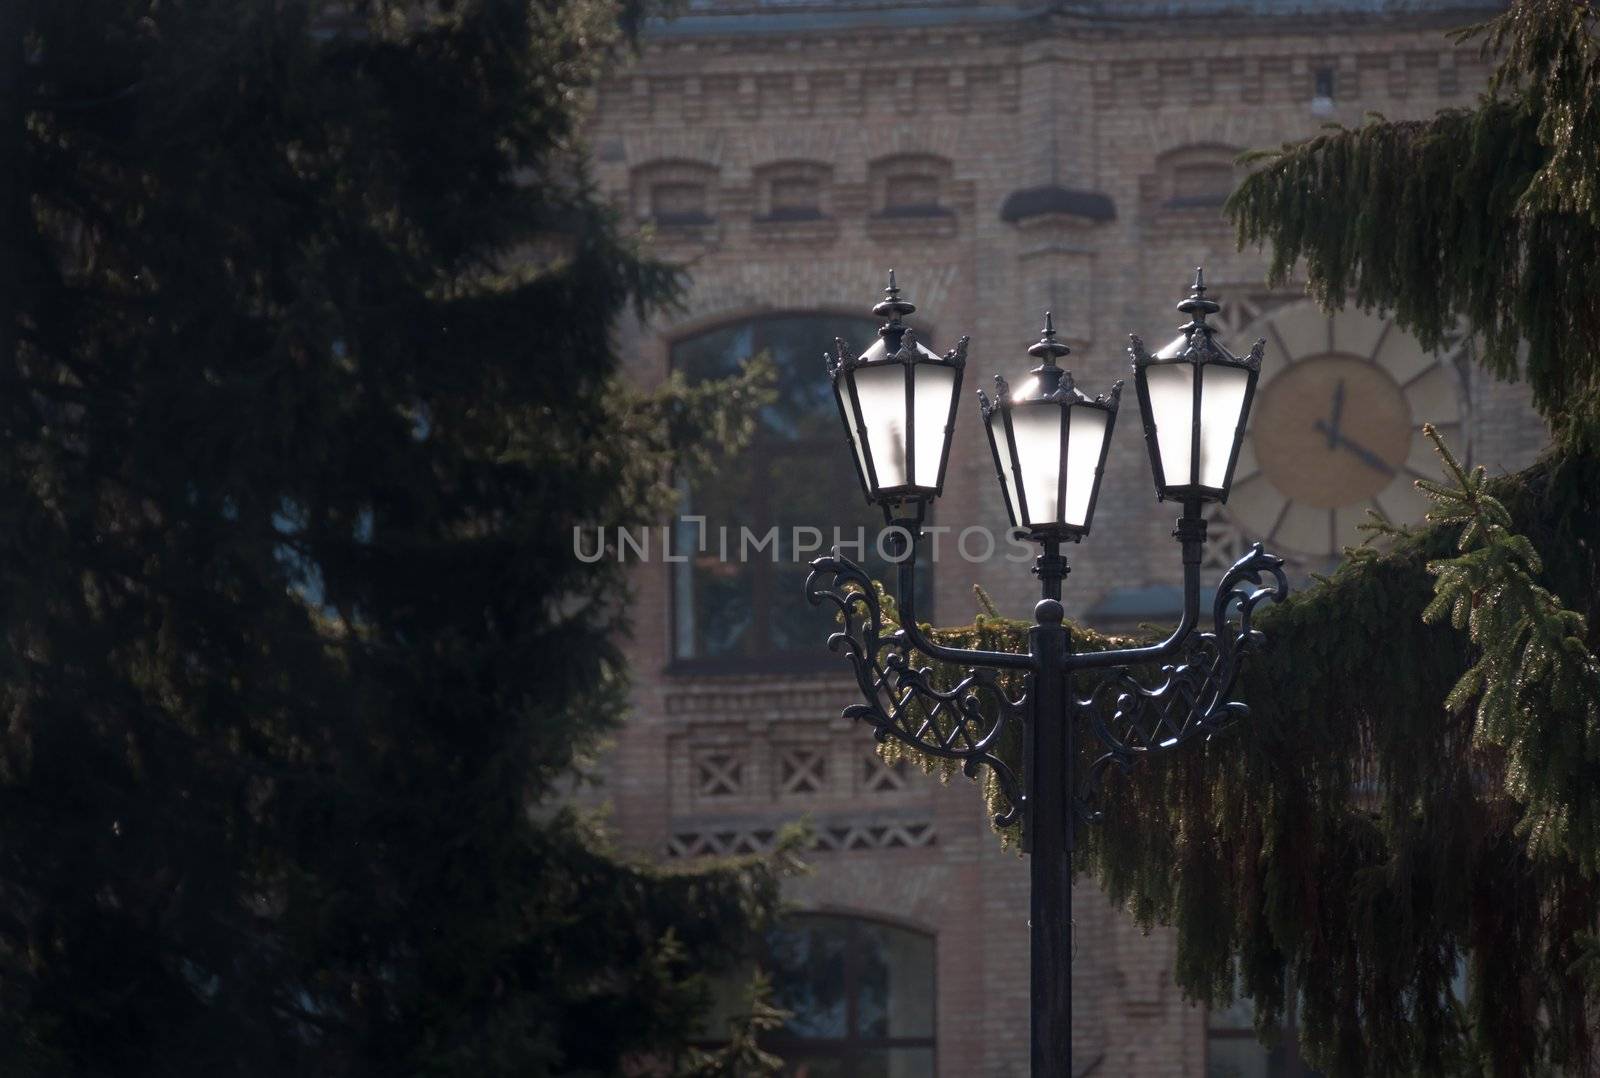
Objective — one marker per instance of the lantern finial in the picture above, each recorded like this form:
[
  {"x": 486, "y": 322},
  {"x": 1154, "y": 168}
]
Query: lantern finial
[
  {"x": 1048, "y": 349},
  {"x": 892, "y": 306},
  {"x": 1197, "y": 306}
]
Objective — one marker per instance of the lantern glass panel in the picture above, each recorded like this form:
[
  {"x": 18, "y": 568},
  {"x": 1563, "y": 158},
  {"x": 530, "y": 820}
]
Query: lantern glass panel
[
  {"x": 1008, "y": 475},
  {"x": 1086, "y": 436},
  {"x": 1038, "y": 432},
  {"x": 845, "y": 387},
  {"x": 882, "y": 393},
  {"x": 934, "y": 387},
  {"x": 1171, "y": 388},
  {"x": 1222, "y": 391}
]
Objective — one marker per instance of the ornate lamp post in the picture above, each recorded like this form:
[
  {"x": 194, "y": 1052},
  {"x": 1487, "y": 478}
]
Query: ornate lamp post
[{"x": 1049, "y": 441}]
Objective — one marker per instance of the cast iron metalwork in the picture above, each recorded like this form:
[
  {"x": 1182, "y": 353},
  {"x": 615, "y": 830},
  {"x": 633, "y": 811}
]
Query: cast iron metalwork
[
  {"x": 964, "y": 722},
  {"x": 1140, "y": 701}
]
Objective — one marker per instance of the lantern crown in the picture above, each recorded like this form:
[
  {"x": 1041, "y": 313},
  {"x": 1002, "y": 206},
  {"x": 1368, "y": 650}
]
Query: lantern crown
[{"x": 1197, "y": 339}]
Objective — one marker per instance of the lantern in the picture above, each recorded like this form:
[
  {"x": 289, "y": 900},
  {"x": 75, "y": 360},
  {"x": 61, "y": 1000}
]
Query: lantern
[
  {"x": 1049, "y": 443},
  {"x": 1194, "y": 398},
  {"x": 898, "y": 404}
]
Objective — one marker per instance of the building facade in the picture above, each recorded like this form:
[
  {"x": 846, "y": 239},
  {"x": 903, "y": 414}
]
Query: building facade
[{"x": 1004, "y": 160}]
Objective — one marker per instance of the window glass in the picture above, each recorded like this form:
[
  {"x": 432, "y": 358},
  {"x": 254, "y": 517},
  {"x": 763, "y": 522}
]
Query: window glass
[
  {"x": 861, "y": 997},
  {"x": 1232, "y": 1050},
  {"x": 896, "y": 982},
  {"x": 738, "y": 600},
  {"x": 807, "y": 967}
]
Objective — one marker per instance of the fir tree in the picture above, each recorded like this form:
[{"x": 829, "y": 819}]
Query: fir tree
[{"x": 306, "y": 379}]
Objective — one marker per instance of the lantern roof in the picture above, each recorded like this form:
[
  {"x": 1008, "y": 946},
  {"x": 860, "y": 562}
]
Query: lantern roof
[
  {"x": 896, "y": 343},
  {"x": 1047, "y": 381},
  {"x": 1196, "y": 341}
]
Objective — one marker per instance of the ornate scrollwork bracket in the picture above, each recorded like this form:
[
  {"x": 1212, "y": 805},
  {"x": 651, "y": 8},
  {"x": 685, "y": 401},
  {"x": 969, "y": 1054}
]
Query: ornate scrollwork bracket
[
  {"x": 1188, "y": 699},
  {"x": 964, "y": 722}
]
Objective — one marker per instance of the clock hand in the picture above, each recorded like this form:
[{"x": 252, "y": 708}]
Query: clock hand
[
  {"x": 1338, "y": 410},
  {"x": 1366, "y": 456},
  {"x": 1362, "y": 453}
]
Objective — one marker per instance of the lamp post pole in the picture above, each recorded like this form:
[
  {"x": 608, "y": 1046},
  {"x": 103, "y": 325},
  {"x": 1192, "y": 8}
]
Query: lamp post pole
[
  {"x": 1050, "y": 825},
  {"x": 1049, "y": 443}
]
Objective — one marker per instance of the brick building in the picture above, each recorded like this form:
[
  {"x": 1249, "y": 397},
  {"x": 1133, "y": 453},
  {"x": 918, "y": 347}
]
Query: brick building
[{"x": 1004, "y": 159}]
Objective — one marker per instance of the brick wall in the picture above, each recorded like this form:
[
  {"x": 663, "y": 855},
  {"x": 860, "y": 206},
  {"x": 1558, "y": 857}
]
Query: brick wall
[{"x": 988, "y": 104}]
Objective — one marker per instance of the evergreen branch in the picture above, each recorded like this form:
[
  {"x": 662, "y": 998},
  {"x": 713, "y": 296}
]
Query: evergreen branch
[
  {"x": 1354, "y": 824},
  {"x": 1485, "y": 219}
]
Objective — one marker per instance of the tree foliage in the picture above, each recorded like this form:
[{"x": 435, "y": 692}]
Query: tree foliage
[
  {"x": 1486, "y": 216},
  {"x": 1406, "y": 829},
  {"x": 306, "y": 379},
  {"x": 1356, "y": 837}
]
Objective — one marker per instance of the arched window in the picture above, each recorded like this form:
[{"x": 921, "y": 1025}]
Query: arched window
[
  {"x": 860, "y": 996},
  {"x": 737, "y": 600}
]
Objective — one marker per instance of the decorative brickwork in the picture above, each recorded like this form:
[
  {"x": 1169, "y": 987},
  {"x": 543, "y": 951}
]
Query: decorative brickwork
[
  {"x": 802, "y": 771},
  {"x": 725, "y": 841},
  {"x": 719, "y": 773},
  {"x": 878, "y": 776}
]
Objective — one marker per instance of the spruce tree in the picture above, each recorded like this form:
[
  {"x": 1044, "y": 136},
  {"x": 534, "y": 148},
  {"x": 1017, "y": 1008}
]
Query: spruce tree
[{"x": 306, "y": 378}]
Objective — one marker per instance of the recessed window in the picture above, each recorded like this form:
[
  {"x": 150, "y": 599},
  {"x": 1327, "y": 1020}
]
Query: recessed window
[
  {"x": 738, "y": 599},
  {"x": 1199, "y": 177},
  {"x": 1322, "y": 92},
  {"x": 796, "y": 199},
  {"x": 912, "y": 194},
  {"x": 911, "y": 185},
  {"x": 860, "y": 997},
  {"x": 675, "y": 193},
  {"x": 1201, "y": 184},
  {"x": 792, "y": 191},
  {"x": 1232, "y": 1050},
  {"x": 679, "y": 204}
]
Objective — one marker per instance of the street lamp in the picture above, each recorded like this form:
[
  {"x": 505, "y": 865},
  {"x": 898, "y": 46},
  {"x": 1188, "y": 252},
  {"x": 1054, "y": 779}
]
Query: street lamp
[
  {"x": 897, "y": 401},
  {"x": 1049, "y": 443},
  {"x": 1194, "y": 396}
]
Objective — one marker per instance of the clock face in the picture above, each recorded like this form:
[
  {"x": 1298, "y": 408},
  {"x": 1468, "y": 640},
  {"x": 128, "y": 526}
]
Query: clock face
[{"x": 1336, "y": 428}]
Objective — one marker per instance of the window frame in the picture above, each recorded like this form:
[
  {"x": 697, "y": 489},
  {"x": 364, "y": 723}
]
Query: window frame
[
  {"x": 851, "y": 1050},
  {"x": 804, "y": 660},
  {"x": 1283, "y": 1059}
]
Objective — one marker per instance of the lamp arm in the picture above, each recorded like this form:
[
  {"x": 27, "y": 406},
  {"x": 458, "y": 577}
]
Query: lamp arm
[
  {"x": 905, "y": 598},
  {"x": 1192, "y": 698},
  {"x": 1191, "y": 533},
  {"x": 1093, "y": 660},
  {"x": 966, "y": 721}
]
